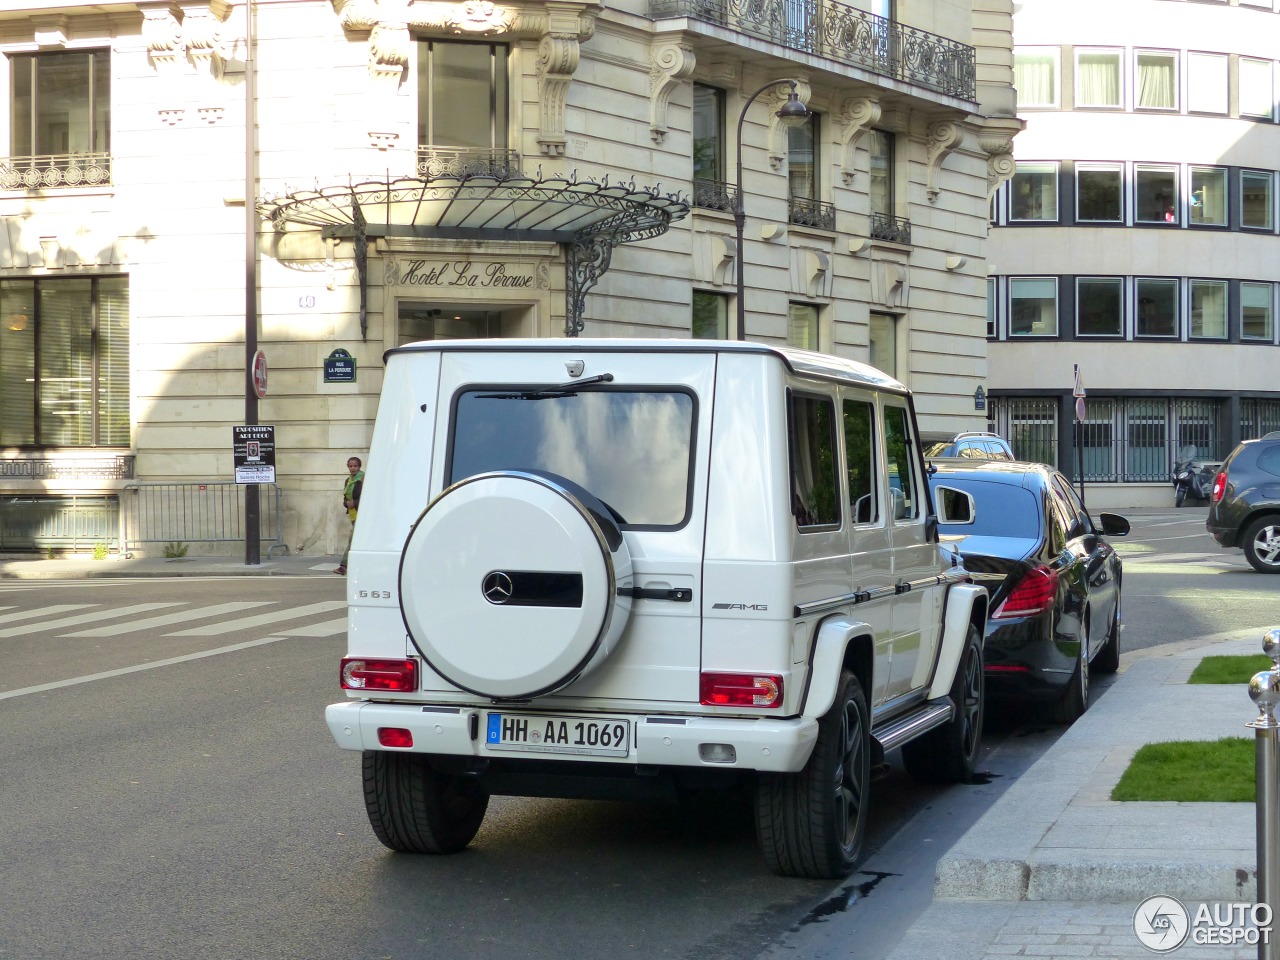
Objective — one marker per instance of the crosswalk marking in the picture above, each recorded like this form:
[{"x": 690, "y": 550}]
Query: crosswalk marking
[
  {"x": 42, "y": 611},
  {"x": 111, "y": 613},
  {"x": 328, "y": 628},
  {"x": 182, "y": 616},
  {"x": 246, "y": 623}
]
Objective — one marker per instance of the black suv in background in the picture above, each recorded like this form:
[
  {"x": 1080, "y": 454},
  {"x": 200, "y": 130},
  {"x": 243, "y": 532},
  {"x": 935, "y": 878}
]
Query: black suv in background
[{"x": 1244, "y": 507}]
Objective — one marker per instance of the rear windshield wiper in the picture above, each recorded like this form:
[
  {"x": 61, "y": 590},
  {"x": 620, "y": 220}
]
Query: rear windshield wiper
[{"x": 569, "y": 389}]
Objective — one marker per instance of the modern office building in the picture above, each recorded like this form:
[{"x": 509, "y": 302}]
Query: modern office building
[
  {"x": 192, "y": 182},
  {"x": 1136, "y": 244}
]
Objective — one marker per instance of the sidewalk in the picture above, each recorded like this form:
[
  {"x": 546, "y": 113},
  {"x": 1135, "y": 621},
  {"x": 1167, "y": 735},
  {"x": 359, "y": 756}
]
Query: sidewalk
[
  {"x": 81, "y": 568},
  {"x": 1056, "y": 869}
]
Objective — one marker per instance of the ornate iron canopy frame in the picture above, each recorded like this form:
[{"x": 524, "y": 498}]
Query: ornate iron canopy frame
[{"x": 590, "y": 218}]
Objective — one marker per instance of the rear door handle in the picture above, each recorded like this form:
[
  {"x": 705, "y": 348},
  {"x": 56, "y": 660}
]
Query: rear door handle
[{"x": 677, "y": 594}]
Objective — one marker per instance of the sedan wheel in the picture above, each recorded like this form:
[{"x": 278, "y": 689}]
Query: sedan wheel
[
  {"x": 1075, "y": 699},
  {"x": 1261, "y": 543}
]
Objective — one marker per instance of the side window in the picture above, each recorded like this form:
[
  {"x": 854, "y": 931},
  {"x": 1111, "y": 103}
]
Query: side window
[
  {"x": 1058, "y": 517},
  {"x": 1269, "y": 460},
  {"x": 904, "y": 503},
  {"x": 1079, "y": 523},
  {"x": 860, "y": 445},
  {"x": 814, "y": 502}
]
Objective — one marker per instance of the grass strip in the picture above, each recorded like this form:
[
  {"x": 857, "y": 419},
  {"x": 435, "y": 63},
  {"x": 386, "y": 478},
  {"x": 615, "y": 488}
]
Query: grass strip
[
  {"x": 1237, "y": 669},
  {"x": 1207, "y": 771}
]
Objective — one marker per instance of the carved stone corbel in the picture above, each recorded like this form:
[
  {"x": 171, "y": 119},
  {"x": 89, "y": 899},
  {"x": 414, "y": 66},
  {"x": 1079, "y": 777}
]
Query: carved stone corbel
[
  {"x": 944, "y": 136},
  {"x": 162, "y": 34},
  {"x": 390, "y": 44},
  {"x": 202, "y": 35},
  {"x": 777, "y": 129},
  {"x": 860, "y": 114},
  {"x": 671, "y": 64},
  {"x": 1000, "y": 162},
  {"x": 557, "y": 60}
]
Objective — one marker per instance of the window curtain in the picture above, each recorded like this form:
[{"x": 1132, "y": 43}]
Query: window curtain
[
  {"x": 1156, "y": 82},
  {"x": 1035, "y": 78},
  {"x": 1098, "y": 76}
]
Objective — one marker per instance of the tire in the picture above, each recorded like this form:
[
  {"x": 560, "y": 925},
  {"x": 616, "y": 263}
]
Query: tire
[
  {"x": 1107, "y": 659},
  {"x": 813, "y": 823},
  {"x": 1180, "y": 497},
  {"x": 414, "y": 808},
  {"x": 947, "y": 754},
  {"x": 1261, "y": 544},
  {"x": 1075, "y": 698}
]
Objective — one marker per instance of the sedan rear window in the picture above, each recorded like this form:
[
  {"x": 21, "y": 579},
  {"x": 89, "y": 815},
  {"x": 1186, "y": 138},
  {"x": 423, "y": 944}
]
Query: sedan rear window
[
  {"x": 1000, "y": 510},
  {"x": 631, "y": 448}
]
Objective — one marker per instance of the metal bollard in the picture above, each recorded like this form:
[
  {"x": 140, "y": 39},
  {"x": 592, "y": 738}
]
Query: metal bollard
[{"x": 1264, "y": 690}]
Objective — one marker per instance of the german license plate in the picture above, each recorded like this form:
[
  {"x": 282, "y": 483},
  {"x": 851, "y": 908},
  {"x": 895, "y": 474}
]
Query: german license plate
[{"x": 540, "y": 733}]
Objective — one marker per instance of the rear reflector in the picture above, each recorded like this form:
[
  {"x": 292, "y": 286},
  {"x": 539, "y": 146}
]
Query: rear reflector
[
  {"x": 397, "y": 676},
  {"x": 1006, "y": 668},
  {"x": 1033, "y": 594},
  {"x": 741, "y": 690},
  {"x": 395, "y": 737}
]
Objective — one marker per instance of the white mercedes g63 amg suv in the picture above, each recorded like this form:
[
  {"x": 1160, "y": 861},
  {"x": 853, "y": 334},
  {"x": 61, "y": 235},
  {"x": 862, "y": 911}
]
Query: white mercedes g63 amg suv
[{"x": 630, "y": 568}]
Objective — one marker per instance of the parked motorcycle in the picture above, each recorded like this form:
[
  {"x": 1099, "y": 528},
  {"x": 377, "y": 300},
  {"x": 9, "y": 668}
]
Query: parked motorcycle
[{"x": 1192, "y": 478}]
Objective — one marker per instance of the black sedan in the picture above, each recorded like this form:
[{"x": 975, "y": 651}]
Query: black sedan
[{"x": 1053, "y": 578}]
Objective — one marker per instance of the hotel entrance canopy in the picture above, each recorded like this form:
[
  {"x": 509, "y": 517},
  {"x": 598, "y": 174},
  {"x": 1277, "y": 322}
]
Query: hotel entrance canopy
[{"x": 590, "y": 218}]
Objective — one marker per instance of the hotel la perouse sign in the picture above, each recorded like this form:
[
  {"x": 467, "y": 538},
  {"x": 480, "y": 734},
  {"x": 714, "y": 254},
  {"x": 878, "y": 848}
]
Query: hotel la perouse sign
[{"x": 468, "y": 274}]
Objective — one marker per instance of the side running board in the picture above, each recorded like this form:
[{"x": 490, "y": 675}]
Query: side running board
[{"x": 923, "y": 718}]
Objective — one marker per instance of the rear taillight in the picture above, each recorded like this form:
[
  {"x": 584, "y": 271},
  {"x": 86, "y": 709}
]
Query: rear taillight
[
  {"x": 395, "y": 737},
  {"x": 397, "y": 676},
  {"x": 741, "y": 690},
  {"x": 1219, "y": 487},
  {"x": 1033, "y": 594}
]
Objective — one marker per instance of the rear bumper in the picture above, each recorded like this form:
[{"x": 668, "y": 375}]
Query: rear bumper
[
  {"x": 1223, "y": 536},
  {"x": 770, "y": 745}
]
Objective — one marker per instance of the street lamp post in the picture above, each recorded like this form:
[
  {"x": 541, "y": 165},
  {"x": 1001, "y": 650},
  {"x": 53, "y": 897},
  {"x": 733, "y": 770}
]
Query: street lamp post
[{"x": 792, "y": 113}]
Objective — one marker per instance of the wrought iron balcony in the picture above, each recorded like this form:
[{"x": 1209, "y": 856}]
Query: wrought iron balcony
[
  {"x": 466, "y": 162},
  {"x": 714, "y": 195},
  {"x": 832, "y": 29},
  {"x": 53, "y": 170},
  {"x": 812, "y": 213},
  {"x": 892, "y": 229}
]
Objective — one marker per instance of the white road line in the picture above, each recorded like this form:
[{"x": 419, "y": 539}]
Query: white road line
[
  {"x": 110, "y": 614},
  {"x": 246, "y": 623},
  {"x": 42, "y": 611},
  {"x": 107, "y": 674},
  {"x": 182, "y": 616},
  {"x": 330, "y": 628}
]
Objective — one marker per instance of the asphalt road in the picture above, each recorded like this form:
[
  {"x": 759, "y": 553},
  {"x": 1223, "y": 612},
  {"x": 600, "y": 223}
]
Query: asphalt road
[{"x": 170, "y": 790}]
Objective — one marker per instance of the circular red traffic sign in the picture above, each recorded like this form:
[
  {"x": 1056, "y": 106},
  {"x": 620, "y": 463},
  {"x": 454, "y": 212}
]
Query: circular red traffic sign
[{"x": 260, "y": 374}]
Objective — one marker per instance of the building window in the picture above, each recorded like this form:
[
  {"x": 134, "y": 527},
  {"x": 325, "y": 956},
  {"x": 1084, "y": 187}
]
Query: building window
[
  {"x": 60, "y": 120},
  {"x": 1256, "y": 312},
  {"x": 880, "y": 145},
  {"x": 710, "y": 316},
  {"x": 1255, "y": 200},
  {"x": 1100, "y": 307},
  {"x": 802, "y": 326},
  {"x": 884, "y": 343},
  {"x": 813, "y": 462},
  {"x": 1207, "y": 83},
  {"x": 803, "y": 186},
  {"x": 991, "y": 308},
  {"x": 1257, "y": 92},
  {"x": 462, "y": 108},
  {"x": 1033, "y": 307},
  {"x": 1156, "y": 194},
  {"x": 709, "y": 187},
  {"x": 1098, "y": 78},
  {"x": 1156, "y": 83},
  {"x": 1035, "y": 75},
  {"x": 1209, "y": 309},
  {"x": 64, "y": 354},
  {"x": 1033, "y": 193},
  {"x": 1157, "y": 313},
  {"x": 1099, "y": 195},
  {"x": 1209, "y": 196}
]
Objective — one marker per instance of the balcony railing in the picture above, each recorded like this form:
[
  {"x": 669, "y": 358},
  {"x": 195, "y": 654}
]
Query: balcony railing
[
  {"x": 466, "y": 162},
  {"x": 714, "y": 195},
  {"x": 811, "y": 213},
  {"x": 892, "y": 229},
  {"x": 835, "y": 30},
  {"x": 70, "y": 170}
]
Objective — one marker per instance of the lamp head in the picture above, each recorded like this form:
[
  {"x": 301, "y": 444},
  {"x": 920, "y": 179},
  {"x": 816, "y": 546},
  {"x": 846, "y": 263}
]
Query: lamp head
[{"x": 793, "y": 113}]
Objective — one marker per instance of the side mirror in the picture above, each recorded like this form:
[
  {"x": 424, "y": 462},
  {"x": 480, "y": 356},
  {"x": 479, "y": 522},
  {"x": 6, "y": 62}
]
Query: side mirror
[
  {"x": 954, "y": 506},
  {"x": 1114, "y": 525}
]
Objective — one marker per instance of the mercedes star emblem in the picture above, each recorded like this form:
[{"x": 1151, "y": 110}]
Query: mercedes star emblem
[{"x": 497, "y": 587}]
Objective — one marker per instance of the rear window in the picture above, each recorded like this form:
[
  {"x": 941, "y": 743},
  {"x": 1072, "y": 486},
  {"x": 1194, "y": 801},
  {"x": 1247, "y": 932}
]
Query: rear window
[
  {"x": 1000, "y": 510},
  {"x": 631, "y": 448}
]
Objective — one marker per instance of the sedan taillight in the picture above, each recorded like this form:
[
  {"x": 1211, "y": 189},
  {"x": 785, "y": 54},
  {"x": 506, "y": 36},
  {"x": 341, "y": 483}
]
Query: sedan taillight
[
  {"x": 1219, "y": 487},
  {"x": 1033, "y": 594}
]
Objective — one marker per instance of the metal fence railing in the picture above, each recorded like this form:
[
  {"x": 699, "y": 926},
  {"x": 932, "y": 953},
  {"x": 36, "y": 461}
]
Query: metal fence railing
[{"x": 196, "y": 512}]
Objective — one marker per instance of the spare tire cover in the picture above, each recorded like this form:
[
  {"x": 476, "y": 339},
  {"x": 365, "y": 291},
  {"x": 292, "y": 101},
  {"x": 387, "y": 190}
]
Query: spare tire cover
[{"x": 509, "y": 584}]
